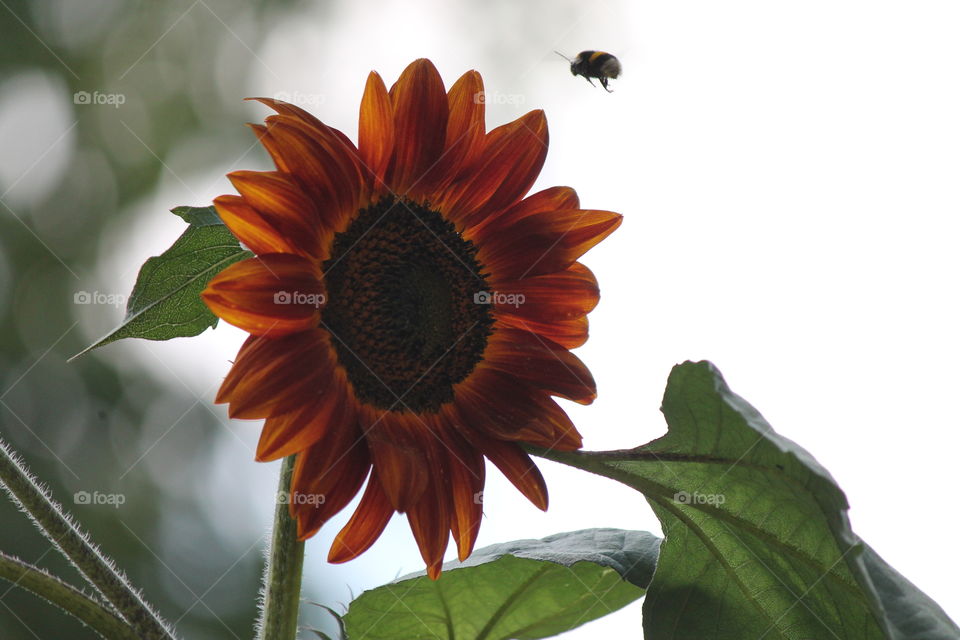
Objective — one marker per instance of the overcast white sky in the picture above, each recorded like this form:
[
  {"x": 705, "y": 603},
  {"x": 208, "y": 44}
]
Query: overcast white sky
[{"x": 788, "y": 178}]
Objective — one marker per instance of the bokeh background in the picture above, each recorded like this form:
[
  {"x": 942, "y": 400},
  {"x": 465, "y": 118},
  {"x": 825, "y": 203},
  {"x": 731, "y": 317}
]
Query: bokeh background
[{"x": 788, "y": 177}]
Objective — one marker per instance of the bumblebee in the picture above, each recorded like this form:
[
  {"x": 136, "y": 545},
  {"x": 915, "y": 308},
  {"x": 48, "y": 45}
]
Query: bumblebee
[{"x": 594, "y": 64}]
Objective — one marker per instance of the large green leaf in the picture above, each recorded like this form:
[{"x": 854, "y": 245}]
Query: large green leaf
[
  {"x": 516, "y": 590},
  {"x": 757, "y": 541},
  {"x": 909, "y": 611},
  {"x": 165, "y": 302}
]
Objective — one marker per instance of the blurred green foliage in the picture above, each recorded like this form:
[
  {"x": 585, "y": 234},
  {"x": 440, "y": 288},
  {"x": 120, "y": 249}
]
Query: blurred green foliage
[{"x": 79, "y": 425}]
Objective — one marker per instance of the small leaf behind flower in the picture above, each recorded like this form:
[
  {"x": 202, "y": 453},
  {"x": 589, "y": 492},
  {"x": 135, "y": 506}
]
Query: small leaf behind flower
[
  {"x": 165, "y": 302},
  {"x": 198, "y": 216},
  {"x": 520, "y": 590}
]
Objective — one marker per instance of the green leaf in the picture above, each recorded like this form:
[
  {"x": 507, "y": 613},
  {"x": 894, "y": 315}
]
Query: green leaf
[
  {"x": 516, "y": 590},
  {"x": 337, "y": 617},
  {"x": 165, "y": 302},
  {"x": 198, "y": 216},
  {"x": 910, "y": 612},
  {"x": 757, "y": 541}
]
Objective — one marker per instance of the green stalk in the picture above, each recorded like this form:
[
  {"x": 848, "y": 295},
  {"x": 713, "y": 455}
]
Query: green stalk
[
  {"x": 281, "y": 600},
  {"x": 75, "y": 545},
  {"x": 54, "y": 590}
]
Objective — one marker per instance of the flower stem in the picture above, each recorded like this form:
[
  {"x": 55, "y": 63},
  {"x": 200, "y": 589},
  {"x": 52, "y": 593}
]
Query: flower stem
[
  {"x": 75, "y": 545},
  {"x": 91, "y": 612},
  {"x": 281, "y": 601}
]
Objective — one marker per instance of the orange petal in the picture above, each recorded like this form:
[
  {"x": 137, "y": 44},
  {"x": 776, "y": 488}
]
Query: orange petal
[
  {"x": 327, "y": 476},
  {"x": 305, "y": 117},
  {"x": 569, "y": 334},
  {"x": 540, "y": 363},
  {"x": 271, "y": 295},
  {"x": 321, "y": 166},
  {"x": 285, "y": 108},
  {"x": 466, "y": 481},
  {"x": 465, "y": 130},
  {"x": 510, "y": 162},
  {"x": 376, "y": 127},
  {"x": 345, "y": 150},
  {"x": 284, "y": 206},
  {"x": 396, "y": 445},
  {"x": 550, "y": 199},
  {"x": 252, "y": 229},
  {"x": 365, "y": 526},
  {"x": 519, "y": 469},
  {"x": 563, "y": 295},
  {"x": 321, "y": 409},
  {"x": 514, "y": 415},
  {"x": 565, "y": 436},
  {"x": 546, "y": 242},
  {"x": 430, "y": 518},
  {"x": 270, "y": 371},
  {"x": 264, "y": 137},
  {"x": 420, "y": 113}
]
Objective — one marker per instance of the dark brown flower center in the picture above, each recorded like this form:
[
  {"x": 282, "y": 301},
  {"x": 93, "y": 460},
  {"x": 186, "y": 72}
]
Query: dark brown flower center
[{"x": 405, "y": 305}]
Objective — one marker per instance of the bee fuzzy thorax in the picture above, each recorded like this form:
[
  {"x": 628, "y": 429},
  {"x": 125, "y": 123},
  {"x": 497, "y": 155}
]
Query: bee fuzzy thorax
[{"x": 595, "y": 64}]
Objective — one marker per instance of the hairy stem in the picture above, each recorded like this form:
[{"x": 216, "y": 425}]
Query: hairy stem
[
  {"x": 281, "y": 600},
  {"x": 75, "y": 545},
  {"x": 81, "y": 606}
]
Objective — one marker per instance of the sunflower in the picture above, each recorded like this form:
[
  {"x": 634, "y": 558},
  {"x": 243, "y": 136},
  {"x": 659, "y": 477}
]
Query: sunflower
[{"x": 410, "y": 311}]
